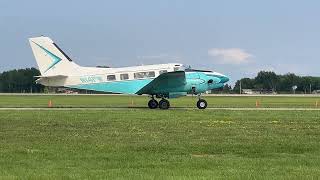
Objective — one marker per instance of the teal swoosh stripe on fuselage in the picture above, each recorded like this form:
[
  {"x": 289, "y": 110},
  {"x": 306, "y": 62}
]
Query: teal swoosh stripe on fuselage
[
  {"x": 55, "y": 58},
  {"x": 125, "y": 87}
]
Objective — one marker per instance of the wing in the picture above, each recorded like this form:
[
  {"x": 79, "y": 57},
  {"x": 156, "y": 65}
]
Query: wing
[{"x": 164, "y": 82}]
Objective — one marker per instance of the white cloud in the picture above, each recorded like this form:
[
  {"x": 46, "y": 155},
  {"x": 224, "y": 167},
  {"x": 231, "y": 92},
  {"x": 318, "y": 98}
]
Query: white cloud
[{"x": 230, "y": 56}]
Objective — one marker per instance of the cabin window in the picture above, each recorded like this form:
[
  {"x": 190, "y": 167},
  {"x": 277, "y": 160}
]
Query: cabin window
[
  {"x": 176, "y": 68},
  {"x": 124, "y": 76},
  {"x": 163, "y": 71},
  {"x": 111, "y": 77},
  {"x": 141, "y": 75},
  {"x": 151, "y": 74}
]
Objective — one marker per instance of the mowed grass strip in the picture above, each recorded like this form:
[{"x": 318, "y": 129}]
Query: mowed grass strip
[
  {"x": 108, "y": 101},
  {"x": 153, "y": 144}
]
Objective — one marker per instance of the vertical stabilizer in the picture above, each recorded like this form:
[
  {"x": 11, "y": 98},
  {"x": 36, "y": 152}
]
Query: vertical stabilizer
[{"x": 50, "y": 58}]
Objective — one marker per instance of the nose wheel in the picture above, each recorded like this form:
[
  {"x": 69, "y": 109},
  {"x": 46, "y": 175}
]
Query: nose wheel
[{"x": 202, "y": 104}]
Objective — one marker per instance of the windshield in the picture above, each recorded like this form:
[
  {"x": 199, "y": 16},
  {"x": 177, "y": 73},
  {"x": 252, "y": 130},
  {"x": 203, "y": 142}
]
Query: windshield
[{"x": 188, "y": 68}]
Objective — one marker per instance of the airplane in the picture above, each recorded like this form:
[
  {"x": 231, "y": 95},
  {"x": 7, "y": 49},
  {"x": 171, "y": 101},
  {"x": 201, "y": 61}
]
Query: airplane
[{"x": 162, "y": 81}]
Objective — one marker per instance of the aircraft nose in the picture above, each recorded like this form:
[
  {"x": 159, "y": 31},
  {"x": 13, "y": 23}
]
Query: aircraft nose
[{"x": 224, "y": 79}]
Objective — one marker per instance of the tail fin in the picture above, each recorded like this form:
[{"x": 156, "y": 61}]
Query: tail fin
[{"x": 50, "y": 58}]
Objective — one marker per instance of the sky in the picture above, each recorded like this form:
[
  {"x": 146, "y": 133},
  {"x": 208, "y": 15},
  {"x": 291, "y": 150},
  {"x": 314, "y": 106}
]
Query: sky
[{"x": 236, "y": 38}]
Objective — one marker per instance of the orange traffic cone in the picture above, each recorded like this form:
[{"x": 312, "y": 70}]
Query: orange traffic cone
[
  {"x": 257, "y": 103},
  {"x": 50, "y": 104}
]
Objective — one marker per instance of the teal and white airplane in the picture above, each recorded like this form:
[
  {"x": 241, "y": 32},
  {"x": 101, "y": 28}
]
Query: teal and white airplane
[{"x": 161, "y": 81}]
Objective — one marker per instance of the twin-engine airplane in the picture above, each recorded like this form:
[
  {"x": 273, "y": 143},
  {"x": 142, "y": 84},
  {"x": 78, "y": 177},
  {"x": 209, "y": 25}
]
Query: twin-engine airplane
[{"x": 162, "y": 81}]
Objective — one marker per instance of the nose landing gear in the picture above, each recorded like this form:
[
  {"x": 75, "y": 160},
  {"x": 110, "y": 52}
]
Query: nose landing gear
[{"x": 201, "y": 104}]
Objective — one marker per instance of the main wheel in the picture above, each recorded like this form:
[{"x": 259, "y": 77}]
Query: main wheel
[
  {"x": 164, "y": 104},
  {"x": 153, "y": 104},
  {"x": 202, "y": 104}
]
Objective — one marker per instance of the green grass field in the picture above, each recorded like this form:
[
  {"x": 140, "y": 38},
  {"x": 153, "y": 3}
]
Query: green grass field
[
  {"x": 138, "y": 143},
  {"x": 141, "y": 101}
]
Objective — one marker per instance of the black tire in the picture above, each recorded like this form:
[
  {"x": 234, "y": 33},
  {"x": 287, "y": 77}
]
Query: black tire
[
  {"x": 153, "y": 104},
  {"x": 202, "y": 104},
  {"x": 164, "y": 104}
]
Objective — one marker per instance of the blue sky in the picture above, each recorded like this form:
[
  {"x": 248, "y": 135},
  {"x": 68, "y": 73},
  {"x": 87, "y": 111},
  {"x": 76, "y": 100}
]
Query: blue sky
[{"x": 237, "y": 38}]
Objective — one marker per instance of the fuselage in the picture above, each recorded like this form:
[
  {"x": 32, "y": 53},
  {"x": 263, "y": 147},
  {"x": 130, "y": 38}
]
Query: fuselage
[{"x": 129, "y": 80}]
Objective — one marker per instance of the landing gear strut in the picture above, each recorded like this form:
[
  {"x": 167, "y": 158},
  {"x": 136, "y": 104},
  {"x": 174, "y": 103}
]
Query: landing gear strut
[{"x": 202, "y": 104}]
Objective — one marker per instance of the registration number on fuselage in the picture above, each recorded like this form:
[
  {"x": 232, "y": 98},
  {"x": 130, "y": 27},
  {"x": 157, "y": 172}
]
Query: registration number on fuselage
[{"x": 91, "y": 79}]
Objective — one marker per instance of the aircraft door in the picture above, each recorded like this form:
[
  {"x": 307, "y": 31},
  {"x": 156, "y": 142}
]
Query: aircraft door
[{"x": 193, "y": 79}]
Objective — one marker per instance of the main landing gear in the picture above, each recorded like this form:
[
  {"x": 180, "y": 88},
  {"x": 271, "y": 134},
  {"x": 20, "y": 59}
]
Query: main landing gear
[
  {"x": 163, "y": 104},
  {"x": 153, "y": 104}
]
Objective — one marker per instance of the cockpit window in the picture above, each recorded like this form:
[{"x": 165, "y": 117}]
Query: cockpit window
[
  {"x": 176, "y": 68},
  {"x": 196, "y": 70}
]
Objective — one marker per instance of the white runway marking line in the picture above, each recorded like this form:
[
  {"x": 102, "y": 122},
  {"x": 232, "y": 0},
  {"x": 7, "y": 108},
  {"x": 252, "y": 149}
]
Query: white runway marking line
[{"x": 177, "y": 108}]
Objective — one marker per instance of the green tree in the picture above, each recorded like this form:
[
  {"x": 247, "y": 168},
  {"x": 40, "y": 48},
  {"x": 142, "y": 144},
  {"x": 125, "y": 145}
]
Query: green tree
[
  {"x": 226, "y": 88},
  {"x": 246, "y": 83},
  {"x": 266, "y": 80},
  {"x": 305, "y": 84},
  {"x": 20, "y": 81},
  {"x": 289, "y": 80}
]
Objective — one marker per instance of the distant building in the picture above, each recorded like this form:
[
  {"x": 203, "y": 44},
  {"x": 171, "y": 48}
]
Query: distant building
[
  {"x": 316, "y": 92},
  {"x": 250, "y": 91},
  {"x": 257, "y": 91}
]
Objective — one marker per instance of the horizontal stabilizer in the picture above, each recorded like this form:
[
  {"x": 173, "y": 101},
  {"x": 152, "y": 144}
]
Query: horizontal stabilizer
[
  {"x": 53, "y": 76},
  {"x": 56, "y": 80}
]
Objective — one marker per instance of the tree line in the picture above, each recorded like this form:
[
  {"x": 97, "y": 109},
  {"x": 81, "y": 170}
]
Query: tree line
[
  {"x": 20, "y": 81},
  {"x": 287, "y": 83}
]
